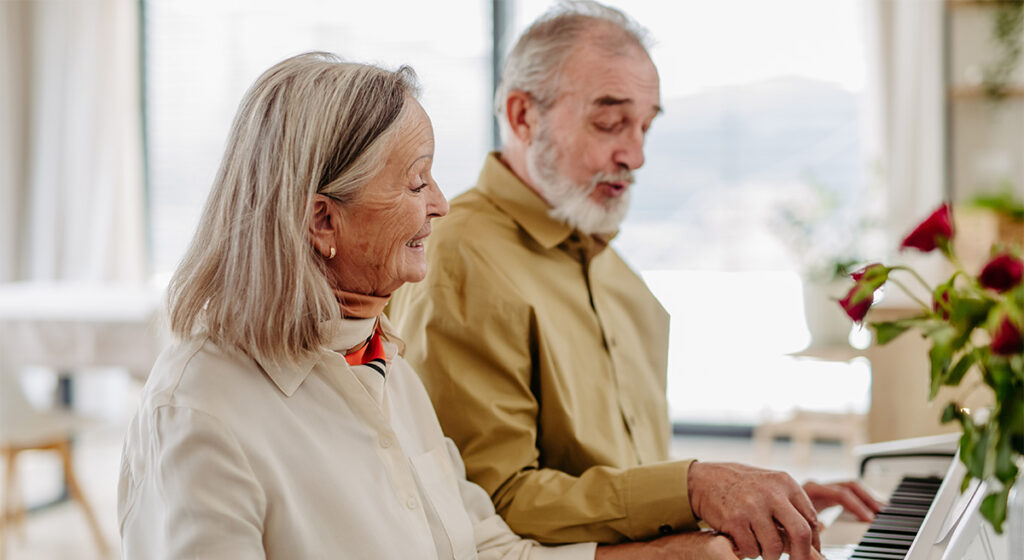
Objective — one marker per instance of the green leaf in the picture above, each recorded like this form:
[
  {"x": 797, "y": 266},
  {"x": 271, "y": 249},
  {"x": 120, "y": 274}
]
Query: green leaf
[
  {"x": 887, "y": 331},
  {"x": 951, "y": 412},
  {"x": 1005, "y": 469},
  {"x": 993, "y": 507},
  {"x": 940, "y": 356},
  {"x": 970, "y": 312},
  {"x": 957, "y": 373}
]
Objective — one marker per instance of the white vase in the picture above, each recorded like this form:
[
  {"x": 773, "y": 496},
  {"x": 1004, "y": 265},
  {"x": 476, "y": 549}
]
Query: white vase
[{"x": 826, "y": 321}]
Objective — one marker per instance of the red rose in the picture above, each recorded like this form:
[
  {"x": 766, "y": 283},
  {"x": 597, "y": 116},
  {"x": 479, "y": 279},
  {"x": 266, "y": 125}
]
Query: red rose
[
  {"x": 857, "y": 302},
  {"x": 873, "y": 274},
  {"x": 1007, "y": 339},
  {"x": 1002, "y": 273},
  {"x": 936, "y": 231}
]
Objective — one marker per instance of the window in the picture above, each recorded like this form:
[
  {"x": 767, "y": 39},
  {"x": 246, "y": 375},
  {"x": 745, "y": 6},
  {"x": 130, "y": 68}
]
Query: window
[{"x": 201, "y": 55}]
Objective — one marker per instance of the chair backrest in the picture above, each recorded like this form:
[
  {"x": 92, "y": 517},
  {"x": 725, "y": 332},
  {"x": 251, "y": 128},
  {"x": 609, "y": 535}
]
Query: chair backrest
[
  {"x": 21, "y": 423},
  {"x": 14, "y": 405}
]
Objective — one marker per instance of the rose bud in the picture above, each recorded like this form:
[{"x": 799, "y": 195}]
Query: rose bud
[
  {"x": 856, "y": 303},
  {"x": 873, "y": 275},
  {"x": 934, "y": 232},
  {"x": 1002, "y": 273},
  {"x": 940, "y": 305},
  {"x": 1007, "y": 339}
]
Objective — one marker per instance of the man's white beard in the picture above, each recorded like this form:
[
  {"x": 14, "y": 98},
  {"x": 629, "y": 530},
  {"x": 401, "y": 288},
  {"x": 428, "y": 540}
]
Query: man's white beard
[{"x": 571, "y": 202}]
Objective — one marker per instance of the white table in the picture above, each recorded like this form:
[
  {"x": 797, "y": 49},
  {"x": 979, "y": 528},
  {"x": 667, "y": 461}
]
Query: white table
[{"x": 67, "y": 326}]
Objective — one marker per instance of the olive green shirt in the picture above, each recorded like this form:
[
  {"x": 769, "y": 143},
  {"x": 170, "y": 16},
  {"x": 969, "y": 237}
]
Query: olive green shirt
[{"x": 545, "y": 357}]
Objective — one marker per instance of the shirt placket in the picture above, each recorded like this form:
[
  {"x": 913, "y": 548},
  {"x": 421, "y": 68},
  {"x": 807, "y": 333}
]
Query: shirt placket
[
  {"x": 584, "y": 250},
  {"x": 390, "y": 453}
]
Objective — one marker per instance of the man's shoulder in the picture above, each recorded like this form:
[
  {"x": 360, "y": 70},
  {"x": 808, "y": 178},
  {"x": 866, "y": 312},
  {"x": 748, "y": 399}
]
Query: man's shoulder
[{"x": 474, "y": 221}]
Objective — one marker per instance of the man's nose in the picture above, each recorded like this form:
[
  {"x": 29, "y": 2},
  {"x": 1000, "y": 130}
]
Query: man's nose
[{"x": 630, "y": 151}]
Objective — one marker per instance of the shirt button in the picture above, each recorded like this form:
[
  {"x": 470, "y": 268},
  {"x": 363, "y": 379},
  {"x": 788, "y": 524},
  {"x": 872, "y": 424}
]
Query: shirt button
[
  {"x": 665, "y": 529},
  {"x": 411, "y": 503},
  {"x": 385, "y": 442}
]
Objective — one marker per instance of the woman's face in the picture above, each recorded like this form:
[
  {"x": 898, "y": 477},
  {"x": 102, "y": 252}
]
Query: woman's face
[{"x": 381, "y": 233}]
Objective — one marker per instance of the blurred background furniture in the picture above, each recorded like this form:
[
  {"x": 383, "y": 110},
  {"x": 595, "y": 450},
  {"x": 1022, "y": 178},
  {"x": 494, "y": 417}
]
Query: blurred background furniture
[
  {"x": 804, "y": 427},
  {"x": 25, "y": 428},
  {"x": 70, "y": 325}
]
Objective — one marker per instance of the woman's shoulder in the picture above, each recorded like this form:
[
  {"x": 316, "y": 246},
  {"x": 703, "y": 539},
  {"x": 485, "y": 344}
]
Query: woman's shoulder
[{"x": 198, "y": 373}]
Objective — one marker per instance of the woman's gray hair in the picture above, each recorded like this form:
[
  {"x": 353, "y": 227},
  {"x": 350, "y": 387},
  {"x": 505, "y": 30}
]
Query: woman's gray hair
[
  {"x": 251, "y": 279},
  {"x": 536, "y": 61}
]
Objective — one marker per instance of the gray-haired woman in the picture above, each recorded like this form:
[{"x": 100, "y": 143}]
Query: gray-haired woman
[{"x": 284, "y": 422}]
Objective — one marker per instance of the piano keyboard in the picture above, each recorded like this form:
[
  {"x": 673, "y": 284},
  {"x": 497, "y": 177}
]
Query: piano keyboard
[{"x": 893, "y": 531}]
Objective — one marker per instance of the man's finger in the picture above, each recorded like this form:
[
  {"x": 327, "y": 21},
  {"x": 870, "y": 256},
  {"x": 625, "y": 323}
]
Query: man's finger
[
  {"x": 768, "y": 538},
  {"x": 874, "y": 505},
  {"x": 801, "y": 535},
  {"x": 803, "y": 504},
  {"x": 744, "y": 542}
]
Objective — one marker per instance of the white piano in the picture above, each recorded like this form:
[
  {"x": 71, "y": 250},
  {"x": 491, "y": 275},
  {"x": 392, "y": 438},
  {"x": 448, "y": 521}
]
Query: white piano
[{"x": 927, "y": 518}]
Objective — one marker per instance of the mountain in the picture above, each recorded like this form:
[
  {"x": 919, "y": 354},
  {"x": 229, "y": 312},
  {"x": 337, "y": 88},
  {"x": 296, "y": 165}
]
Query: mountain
[{"x": 782, "y": 130}]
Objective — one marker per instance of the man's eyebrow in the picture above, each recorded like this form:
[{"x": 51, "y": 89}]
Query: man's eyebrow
[{"x": 610, "y": 101}]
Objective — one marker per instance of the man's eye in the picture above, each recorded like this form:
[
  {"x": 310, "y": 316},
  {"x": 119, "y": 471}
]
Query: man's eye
[{"x": 608, "y": 127}]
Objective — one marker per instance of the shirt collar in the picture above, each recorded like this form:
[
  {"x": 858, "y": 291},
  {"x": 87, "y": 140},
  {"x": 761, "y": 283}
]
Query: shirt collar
[
  {"x": 344, "y": 334},
  {"x": 513, "y": 197}
]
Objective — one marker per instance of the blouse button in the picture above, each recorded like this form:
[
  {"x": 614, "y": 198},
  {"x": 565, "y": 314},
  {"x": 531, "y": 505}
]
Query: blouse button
[
  {"x": 385, "y": 442},
  {"x": 411, "y": 503}
]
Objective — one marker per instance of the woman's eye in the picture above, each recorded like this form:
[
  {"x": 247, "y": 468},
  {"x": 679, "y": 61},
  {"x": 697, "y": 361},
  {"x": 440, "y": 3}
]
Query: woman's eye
[
  {"x": 607, "y": 127},
  {"x": 419, "y": 188}
]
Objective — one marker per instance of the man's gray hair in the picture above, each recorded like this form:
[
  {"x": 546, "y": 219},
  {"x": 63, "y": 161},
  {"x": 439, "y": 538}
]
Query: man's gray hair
[{"x": 536, "y": 61}]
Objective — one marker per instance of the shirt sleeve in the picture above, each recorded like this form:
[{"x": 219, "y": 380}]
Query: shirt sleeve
[
  {"x": 472, "y": 349},
  {"x": 195, "y": 496},
  {"x": 494, "y": 539}
]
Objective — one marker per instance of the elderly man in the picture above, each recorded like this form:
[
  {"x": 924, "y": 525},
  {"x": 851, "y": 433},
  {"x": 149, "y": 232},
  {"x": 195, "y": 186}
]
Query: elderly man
[{"x": 544, "y": 354}]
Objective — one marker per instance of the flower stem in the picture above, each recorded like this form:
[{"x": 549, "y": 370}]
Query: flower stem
[
  {"x": 915, "y": 275},
  {"x": 901, "y": 286}
]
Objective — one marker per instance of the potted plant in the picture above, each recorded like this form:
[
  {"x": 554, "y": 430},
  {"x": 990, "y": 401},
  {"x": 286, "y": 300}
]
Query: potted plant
[
  {"x": 975, "y": 319},
  {"x": 824, "y": 236}
]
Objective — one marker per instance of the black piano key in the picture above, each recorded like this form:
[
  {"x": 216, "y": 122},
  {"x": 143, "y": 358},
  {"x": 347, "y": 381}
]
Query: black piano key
[
  {"x": 902, "y": 535},
  {"x": 876, "y": 556},
  {"x": 886, "y": 542}
]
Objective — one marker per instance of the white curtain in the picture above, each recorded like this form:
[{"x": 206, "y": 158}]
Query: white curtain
[
  {"x": 71, "y": 181},
  {"x": 906, "y": 107}
]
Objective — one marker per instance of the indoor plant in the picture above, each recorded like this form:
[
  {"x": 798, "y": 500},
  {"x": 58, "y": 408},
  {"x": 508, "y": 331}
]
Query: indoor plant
[{"x": 972, "y": 321}]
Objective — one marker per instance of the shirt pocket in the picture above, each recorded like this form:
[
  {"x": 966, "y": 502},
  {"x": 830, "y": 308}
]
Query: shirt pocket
[{"x": 437, "y": 477}]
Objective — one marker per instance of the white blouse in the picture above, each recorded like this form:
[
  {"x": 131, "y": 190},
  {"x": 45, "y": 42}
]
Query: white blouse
[{"x": 230, "y": 458}]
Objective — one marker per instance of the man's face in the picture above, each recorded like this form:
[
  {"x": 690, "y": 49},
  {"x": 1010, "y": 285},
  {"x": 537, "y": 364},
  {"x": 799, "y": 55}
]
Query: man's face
[{"x": 591, "y": 139}]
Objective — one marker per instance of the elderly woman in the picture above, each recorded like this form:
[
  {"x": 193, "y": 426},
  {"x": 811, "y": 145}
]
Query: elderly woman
[{"x": 284, "y": 423}]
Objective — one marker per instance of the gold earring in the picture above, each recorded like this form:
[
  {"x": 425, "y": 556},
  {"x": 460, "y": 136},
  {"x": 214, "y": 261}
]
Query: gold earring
[{"x": 333, "y": 252}]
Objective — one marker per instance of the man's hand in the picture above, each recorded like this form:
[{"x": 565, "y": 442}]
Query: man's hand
[
  {"x": 852, "y": 496},
  {"x": 764, "y": 512},
  {"x": 694, "y": 545}
]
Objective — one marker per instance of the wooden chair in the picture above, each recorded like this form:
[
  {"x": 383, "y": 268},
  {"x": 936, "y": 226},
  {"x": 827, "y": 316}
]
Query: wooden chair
[{"x": 25, "y": 428}]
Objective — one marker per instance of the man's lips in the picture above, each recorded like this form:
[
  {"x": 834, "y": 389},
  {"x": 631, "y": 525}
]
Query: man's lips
[{"x": 612, "y": 189}]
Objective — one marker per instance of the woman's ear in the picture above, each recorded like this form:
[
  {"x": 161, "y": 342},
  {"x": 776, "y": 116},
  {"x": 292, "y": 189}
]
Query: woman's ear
[{"x": 323, "y": 226}]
